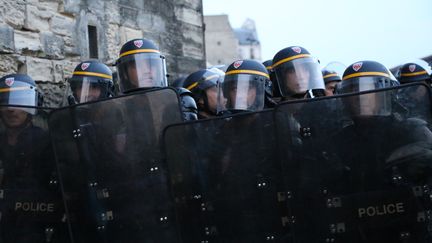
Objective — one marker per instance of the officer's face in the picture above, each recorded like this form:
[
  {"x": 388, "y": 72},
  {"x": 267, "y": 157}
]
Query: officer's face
[
  {"x": 90, "y": 93},
  {"x": 330, "y": 88},
  {"x": 238, "y": 99},
  {"x": 140, "y": 73},
  {"x": 296, "y": 80},
  {"x": 212, "y": 98},
  {"x": 12, "y": 117}
]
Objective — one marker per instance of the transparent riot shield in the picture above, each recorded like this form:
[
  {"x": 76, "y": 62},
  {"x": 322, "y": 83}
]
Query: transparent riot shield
[
  {"x": 361, "y": 172},
  {"x": 31, "y": 205},
  {"x": 109, "y": 158},
  {"x": 224, "y": 179}
]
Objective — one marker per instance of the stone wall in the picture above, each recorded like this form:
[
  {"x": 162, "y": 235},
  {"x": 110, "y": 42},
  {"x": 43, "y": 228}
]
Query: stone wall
[{"x": 46, "y": 39}]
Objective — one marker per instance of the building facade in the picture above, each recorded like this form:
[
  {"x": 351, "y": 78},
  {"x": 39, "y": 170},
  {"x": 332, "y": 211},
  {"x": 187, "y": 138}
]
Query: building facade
[
  {"x": 46, "y": 39},
  {"x": 221, "y": 42},
  {"x": 224, "y": 44}
]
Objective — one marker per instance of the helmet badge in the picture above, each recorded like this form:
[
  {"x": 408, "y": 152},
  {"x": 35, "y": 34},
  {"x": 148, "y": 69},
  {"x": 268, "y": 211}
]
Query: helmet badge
[
  {"x": 237, "y": 64},
  {"x": 412, "y": 67},
  {"x": 138, "y": 43},
  {"x": 357, "y": 66},
  {"x": 10, "y": 81},
  {"x": 85, "y": 65},
  {"x": 296, "y": 49}
]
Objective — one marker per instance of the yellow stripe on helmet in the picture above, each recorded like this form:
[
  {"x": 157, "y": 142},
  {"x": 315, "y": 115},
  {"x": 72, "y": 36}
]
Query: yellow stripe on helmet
[
  {"x": 353, "y": 75},
  {"x": 245, "y": 71},
  {"x": 139, "y": 51},
  {"x": 14, "y": 89},
  {"x": 92, "y": 74},
  {"x": 330, "y": 75},
  {"x": 413, "y": 74},
  {"x": 290, "y": 59},
  {"x": 194, "y": 84}
]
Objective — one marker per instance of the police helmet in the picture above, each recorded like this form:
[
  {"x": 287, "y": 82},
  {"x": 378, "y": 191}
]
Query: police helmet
[
  {"x": 330, "y": 76},
  {"x": 140, "y": 66},
  {"x": 91, "y": 80},
  {"x": 364, "y": 76},
  {"x": 414, "y": 72},
  {"x": 20, "y": 90},
  {"x": 243, "y": 87},
  {"x": 298, "y": 73}
]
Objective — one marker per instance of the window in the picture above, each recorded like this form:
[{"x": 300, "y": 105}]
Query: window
[{"x": 93, "y": 42}]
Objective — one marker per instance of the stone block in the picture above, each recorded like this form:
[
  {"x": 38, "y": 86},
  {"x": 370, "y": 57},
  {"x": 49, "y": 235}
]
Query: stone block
[
  {"x": 53, "y": 45},
  {"x": 8, "y": 64},
  {"x": 27, "y": 42},
  {"x": 7, "y": 44},
  {"x": 36, "y": 19},
  {"x": 37, "y": 68},
  {"x": 13, "y": 12},
  {"x": 127, "y": 34},
  {"x": 188, "y": 15},
  {"x": 63, "y": 25}
]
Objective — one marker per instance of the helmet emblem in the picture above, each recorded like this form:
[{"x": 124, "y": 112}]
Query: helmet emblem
[
  {"x": 237, "y": 64},
  {"x": 412, "y": 67},
  {"x": 85, "y": 65},
  {"x": 296, "y": 49},
  {"x": 357, "y": 66},
  {"x": 10, "y": 81},
  {"x": 138, "y": 43}
]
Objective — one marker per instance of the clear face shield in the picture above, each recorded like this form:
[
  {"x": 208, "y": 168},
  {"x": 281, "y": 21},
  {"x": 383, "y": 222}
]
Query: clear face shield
[
  {"x": 243, "y": 92},
  {"x": 86, "y": 89},
  {"x": 370, "y": 104},
  {"x": 19, "y": 93},
  {"x": 143, "y": 70},
  {"x": 298, "y": 76}
]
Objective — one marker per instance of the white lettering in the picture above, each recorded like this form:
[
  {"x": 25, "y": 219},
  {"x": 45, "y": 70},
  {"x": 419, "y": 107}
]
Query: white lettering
[
  {"x": 380, "y": 210},
  {"x": 34, "y": 207}
]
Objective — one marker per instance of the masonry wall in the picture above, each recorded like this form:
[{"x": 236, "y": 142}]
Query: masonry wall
[{"x": 46, "y": 39}]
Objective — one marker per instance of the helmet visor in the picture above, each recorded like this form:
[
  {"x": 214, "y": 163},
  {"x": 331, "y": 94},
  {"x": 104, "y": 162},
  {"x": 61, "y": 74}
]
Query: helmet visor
[
  {"x": 298, "y": 76},
  {"x": 86, "y": 89},
  {"x": 19, "y": 93},
  {"x": 242, "y": 92},
  {"x": 143, "y": 70},
  {"x": 359, "y": 84},
  {"x": 369, "y": 104}
]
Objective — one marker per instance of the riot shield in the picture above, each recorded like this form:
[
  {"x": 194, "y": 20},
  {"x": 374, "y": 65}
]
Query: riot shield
[
  {"x": 31, "y": 205},
  {"x": 361, "y": 172},
  {"x": 224, "y": 179},
  {"x": 109, "y": 158}
]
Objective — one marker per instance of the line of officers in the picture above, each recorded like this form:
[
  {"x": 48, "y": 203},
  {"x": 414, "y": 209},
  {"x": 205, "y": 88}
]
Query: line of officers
[{"x": 245, "y": 85}]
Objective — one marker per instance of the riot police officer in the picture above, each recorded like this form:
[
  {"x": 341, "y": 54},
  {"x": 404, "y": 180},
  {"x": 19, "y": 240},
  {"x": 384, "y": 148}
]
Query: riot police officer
[
  {"x": 298, "y": 74},
  {"x": 203, "y": 85},
  {"x": 273, "y": 95},
  {"x": 32, "y": 208},
  {"x": 90, "y": 81},
  {"x": 415, "y": 72},
  {"x": 331, "y": 78},
  {"x": 141, "y": 66},
  {"x": 243, "y": 87}
]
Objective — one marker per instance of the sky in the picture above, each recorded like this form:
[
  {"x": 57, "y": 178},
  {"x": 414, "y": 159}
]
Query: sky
[{"x": 391, "y": 32}]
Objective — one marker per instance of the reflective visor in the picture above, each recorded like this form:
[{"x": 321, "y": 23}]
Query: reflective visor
[
  {"x": 359, "y": 84},
  {"x": 143, "y": 70},
  {"x": 88, "y": 89},
  {"x": 20, "y": 93},
  {"x": 298, "y": 76},
  {"x": 370, "y": 104},
  {"x": 242, "y": 92}
]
